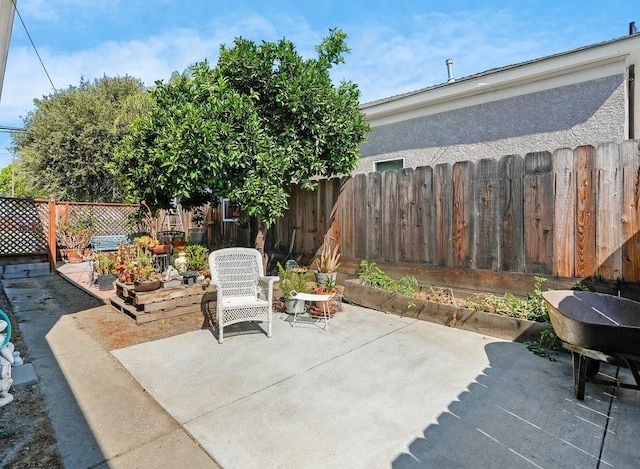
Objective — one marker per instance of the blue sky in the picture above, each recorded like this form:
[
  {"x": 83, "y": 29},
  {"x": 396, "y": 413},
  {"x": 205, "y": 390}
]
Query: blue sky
[{"x": 396, "y": 46}]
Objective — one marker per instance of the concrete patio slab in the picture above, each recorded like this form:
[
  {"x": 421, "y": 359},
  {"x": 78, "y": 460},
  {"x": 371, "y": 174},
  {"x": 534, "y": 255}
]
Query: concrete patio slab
[
  {"x": 375, "y": 390},
  {"x": 378, "y": 390}
]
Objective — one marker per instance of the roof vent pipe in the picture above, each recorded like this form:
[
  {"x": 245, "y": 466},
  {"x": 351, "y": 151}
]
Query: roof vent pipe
[{"x": 449, "y": 63}]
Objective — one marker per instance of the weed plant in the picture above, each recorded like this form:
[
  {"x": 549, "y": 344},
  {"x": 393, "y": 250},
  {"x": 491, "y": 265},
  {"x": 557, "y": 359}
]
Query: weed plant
[
  {"x": 532, "y": 308},
  {"x": 374, "y": 276}
]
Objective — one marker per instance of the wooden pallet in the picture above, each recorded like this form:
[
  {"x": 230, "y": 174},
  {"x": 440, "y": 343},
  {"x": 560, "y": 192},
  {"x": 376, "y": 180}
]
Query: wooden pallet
[{"x": 159, "y": 304}]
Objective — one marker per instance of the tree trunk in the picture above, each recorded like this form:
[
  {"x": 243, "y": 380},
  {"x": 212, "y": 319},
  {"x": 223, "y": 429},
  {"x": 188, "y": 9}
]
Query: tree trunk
[{"x": 259, "y": 230}]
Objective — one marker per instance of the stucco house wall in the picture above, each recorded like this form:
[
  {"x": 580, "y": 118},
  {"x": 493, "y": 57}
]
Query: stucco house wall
[{"x": 576, "y": 98}]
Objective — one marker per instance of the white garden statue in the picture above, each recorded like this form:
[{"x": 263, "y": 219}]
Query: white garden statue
[{"x": 8, "y": 357}]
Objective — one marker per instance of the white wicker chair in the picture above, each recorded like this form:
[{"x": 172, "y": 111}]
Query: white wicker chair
[{"x": 243, "y": 292}]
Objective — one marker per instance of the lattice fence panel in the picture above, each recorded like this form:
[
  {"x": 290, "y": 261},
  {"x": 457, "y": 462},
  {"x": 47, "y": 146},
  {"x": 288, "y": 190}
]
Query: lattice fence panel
[
  {"x": 107, "y": 219},
  {"x": 21, "y": 227}
]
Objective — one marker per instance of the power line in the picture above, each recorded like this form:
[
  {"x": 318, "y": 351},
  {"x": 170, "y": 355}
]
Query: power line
[
  {"x": 9, "y": 129},
  {"x": 34, "y": 46}
]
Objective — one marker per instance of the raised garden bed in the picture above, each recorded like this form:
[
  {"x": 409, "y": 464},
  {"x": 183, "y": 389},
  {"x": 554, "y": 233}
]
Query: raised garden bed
[
  {"x": 162, "y": 303},
  {"x": 495, "y": 325}
]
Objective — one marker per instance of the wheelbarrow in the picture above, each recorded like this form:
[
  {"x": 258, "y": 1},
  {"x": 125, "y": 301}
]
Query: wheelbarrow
[{"x": 596, "y": 328}]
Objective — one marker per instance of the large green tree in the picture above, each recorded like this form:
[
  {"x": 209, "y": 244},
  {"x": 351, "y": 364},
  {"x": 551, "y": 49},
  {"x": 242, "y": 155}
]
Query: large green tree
[
  {"x": 69, "y": 138},
  {"x": 12, "y": 183},
  {"x": 263, "y": 118}
]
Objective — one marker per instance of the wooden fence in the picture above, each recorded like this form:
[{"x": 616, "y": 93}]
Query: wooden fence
[{"x": 570, "y": 213}]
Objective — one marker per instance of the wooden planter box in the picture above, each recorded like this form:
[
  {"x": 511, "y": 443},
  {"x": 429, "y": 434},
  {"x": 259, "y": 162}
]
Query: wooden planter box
[
  {"x": 495, "y": 325},
  {"x": 162, "y": 303}
]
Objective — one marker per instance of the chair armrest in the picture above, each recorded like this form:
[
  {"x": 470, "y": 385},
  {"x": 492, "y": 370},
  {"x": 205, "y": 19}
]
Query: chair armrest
[
  {"x": 265, "y": 284},
  {"x": 269, "y": 279}
]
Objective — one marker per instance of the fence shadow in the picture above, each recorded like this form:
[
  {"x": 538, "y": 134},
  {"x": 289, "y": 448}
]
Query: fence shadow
[{"x": 520, "y": 412}]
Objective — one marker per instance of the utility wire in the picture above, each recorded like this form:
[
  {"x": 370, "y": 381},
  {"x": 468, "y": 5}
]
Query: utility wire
[{"x": 33, "y": 45}]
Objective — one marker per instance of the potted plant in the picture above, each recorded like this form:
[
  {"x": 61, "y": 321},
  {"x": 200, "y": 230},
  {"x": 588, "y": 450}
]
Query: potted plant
[
  {"x": 145, "y": 277},
  {"x": 104, "y": 265},
  {"x": 146, "y": 242},
  {"x": 197, "y": 259},
  {"x": 149, "y": 223},
  {"x": 327, "y": 262},
  {"x": 328, "y": 288},
  {"x": 294, "y": 280},
  {"x": 73, "y": 237},
  {"x": 125, "y": 262}
]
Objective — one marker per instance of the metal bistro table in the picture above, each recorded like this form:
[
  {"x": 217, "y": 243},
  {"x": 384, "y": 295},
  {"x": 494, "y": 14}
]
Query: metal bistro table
[{"x": 324, "y": 299}]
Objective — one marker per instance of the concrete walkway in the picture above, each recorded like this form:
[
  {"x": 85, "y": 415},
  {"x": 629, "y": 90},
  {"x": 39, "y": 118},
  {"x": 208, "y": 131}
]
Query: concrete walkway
[
  {"x": 101, "y": 416},
  {"x": 376, "y": 390}
]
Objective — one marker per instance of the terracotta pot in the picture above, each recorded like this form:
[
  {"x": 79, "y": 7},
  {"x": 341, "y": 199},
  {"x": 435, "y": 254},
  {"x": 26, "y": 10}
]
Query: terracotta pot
[
  {"x": 161, "y": 249},
  {"x": 74, "y": 256},
  {"x": 179, "y": 246},
  {"x": 146, "y": 285},
  {"x": 321, "y": 305}
]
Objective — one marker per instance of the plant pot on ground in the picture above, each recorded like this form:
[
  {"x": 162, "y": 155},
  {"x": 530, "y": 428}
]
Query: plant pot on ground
[
  {"x": 327, "y": 289},
  {"x": 327, "y": 262},
  {"x": 73, "y": 256},
  {"x": 73, "y": 238},
  {"x": 294, "y": 280},
  {"x": 104, "y": 266}
]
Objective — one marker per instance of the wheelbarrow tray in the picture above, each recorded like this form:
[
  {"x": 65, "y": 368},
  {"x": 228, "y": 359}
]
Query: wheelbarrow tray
[
  {"x": 596, "y": 321},
  {"x": 596, "y": 328}
]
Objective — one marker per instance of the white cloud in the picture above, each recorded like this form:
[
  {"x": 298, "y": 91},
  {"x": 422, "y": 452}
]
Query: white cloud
[{"x": 387, "y": 58}]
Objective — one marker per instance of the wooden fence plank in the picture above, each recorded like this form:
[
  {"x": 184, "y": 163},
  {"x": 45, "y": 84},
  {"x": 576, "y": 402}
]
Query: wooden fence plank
[
  {"x": 390, "y": 219},
  {"x": 564, "y": 215},
  {"x": 511, "y": 212},
  {"x": 585, "y": 260},
  {"x": 425, "y": 245},
  {"x": 334, "y": 194},
  {"x": 407, "y": 217},
  {"x": 360, "y": 215},
  {"x": 443, "y": 193},
  {"x": 374, "y": 216},
  {"x": 462, "y": 215},
  {"x": 296, "y": 211},
  {"x": 630, "y": 210},
  {"x": 486, "y": 227},
  {"x": 538, "y": 213},
  {"x": 309, "y": 229},
  {"x": 345, "y": 216},
  {"x": 323, "y": 210},
  {"x": 609, "y": 255}
]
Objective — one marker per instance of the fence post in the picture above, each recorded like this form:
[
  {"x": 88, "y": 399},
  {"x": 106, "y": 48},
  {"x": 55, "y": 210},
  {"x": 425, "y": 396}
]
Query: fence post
[{"x": 51, "y": 241}]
